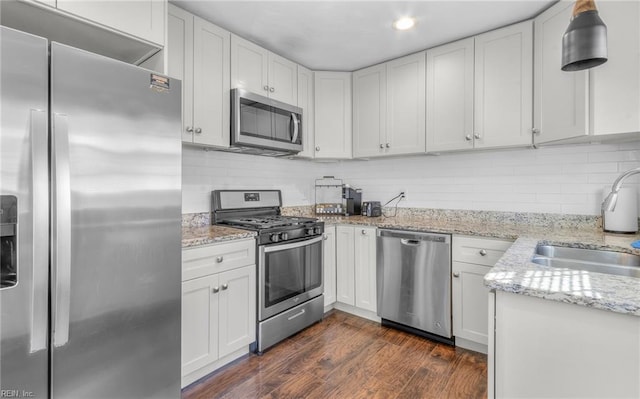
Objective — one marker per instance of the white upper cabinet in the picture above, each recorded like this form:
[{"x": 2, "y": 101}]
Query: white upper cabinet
[
  {"x": 605, "y": 100},
  {"x": 262, "y": 72},
  {"x": 142, "y": 18},
  {"x": 450, "y": 96},
  {"x": 479, "y": 91},
  {"x": 306, "y": 102},
  {"x": 406, "y": 105},
  {"x": 614, "y": 87},
  {"x": 198, "y": 54},
  {"x": 369, "y": 111},
  {"x": 503, "y": 106},
  {"x": 389, "y": 108},
  {"x": 560, "y": 98},
  {"x": 332, "y": 96}
]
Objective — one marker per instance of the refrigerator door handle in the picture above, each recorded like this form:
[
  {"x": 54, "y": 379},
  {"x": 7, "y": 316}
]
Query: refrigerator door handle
[
  {"x": 40, "y": 209},
  {"x": 61, "y": 229}
]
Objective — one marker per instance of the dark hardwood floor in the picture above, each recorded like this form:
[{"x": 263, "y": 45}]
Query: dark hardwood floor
[{"x": 345, "y": 356}]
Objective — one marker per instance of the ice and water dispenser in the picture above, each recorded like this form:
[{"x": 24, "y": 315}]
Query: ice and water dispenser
[{"x": 9, "y": 240}]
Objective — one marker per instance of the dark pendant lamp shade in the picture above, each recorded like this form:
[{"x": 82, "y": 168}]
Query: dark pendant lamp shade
[{"x": 584, "y": 44}]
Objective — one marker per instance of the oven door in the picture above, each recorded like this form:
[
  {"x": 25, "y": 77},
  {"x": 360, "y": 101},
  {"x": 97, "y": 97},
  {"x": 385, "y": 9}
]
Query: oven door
[{"x": 288, "y": 274}]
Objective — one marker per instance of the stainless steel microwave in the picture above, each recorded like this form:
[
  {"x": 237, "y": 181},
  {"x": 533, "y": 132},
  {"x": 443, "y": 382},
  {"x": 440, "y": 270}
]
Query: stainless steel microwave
[{"x": 262, "y": 125}]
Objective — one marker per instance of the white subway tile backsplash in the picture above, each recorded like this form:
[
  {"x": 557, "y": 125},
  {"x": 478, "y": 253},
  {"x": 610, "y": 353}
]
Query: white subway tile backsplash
[{"x": 556, "y": 179}]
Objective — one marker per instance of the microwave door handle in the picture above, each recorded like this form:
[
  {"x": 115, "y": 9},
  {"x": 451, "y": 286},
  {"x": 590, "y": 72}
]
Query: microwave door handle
[{"x": 296, "y": 130}]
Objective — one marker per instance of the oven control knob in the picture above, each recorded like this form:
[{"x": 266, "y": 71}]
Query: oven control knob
[
  {"x": 309, "y": 231},
  {"x": 274, "y": 237},
  {"x": 317, "y": 230},
  {"x": 284, "y": 236}
]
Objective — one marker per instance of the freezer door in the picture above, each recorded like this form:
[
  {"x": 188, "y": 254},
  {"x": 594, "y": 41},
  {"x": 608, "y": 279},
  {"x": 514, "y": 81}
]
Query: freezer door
[
  {"x": 24, "y": 251},
  {"x": 116, "y": 217}
]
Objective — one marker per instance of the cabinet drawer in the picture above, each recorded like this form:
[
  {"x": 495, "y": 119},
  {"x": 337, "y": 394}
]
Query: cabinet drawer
[
  {"x": 481, "y": 251},
  {"x": 216, "y": 258}
]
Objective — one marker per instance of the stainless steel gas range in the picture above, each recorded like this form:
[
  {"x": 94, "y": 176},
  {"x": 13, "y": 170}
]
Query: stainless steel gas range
[{"x": 289, "y": 261}]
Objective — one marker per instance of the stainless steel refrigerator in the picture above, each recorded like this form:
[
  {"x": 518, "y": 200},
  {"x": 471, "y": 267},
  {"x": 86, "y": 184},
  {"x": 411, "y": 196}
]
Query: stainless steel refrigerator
[{"x": 90, "y": 188}]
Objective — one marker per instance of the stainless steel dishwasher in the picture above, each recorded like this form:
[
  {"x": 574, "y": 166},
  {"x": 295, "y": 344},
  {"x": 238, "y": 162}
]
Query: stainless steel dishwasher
[{"x": 414, "y": 282}]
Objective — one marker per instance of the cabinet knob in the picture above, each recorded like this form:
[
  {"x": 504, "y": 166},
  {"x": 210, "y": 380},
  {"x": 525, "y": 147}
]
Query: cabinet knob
[
  {"x": 198, "y": 130},
  {"x": 535, "y": 131},
  {"x": 271, "y": 89},
  {"x": 318, "y": 148},
  {"x": 483, "y": 252},
  {"x": 325, "y": 236},
  {"x": 381, "y": 145},
  {"x": 219, "y": 259},
  {"x": 476, "y": 135},
  {"x": 189, "y": 129},
  {"x": 364, "y": 232},
  {"x": 225, "y": 286},
  {"x": 388, "y": 145},
  {"x": 456, "y": 274},
  {"x": 468, "y": 137},
  {"x": 266, "y": 88},
  {"x": 215, "y": 290}
]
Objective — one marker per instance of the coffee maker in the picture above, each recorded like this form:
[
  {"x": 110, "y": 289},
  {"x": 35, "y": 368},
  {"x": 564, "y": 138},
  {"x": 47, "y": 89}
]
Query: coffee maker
[{"x": 351, "y": 200}]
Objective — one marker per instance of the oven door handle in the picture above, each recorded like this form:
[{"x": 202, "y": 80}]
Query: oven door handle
[{"x": 296, "y": 244}]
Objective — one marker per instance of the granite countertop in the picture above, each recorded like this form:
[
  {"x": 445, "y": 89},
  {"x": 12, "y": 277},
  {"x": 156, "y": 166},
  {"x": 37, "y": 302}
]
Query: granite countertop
[
  {"x": 202, "y": 235},
  {"x": 513, "y": 272}
]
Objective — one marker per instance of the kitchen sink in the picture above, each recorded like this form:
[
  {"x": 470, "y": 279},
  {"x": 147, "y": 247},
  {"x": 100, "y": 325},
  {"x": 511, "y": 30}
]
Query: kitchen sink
[{"x": 600, "y": 261}]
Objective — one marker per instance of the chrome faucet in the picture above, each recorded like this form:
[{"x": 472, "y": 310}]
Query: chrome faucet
[{"x": 609, "y": 203}]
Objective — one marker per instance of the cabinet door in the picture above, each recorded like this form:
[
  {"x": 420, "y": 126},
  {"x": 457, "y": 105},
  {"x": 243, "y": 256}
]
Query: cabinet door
[
  {"x": 283, "y": 79},
  {"x": 180, "y": 62},
  {"x": 345, "y": 272},
  {"x": 237, "y": 321},
  {"x": 406, "y": 105},
  {"x": 560, "y": 98},
  {"x": 469, "y": 297},
  {"x": 142, "y": 18},
  {"x": 305, "y": 101},
  {"x": 332, "y": 114},
  {"x": 614, "y": 87},
  {"x": 503, "y": 107},
  {"x": 249, "y": 66},
  {"x": 369, "y": 111},
  {"x": 199, "y": 323},
  {"x": 365, "y": 268},
  {"x": 211, "y": 101},
  {"x": 329, "y": 258},
  {"x": 450, "y": 96}
]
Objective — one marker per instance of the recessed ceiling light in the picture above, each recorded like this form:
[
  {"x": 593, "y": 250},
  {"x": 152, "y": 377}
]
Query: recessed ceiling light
[{"x": 404, "y": 23}]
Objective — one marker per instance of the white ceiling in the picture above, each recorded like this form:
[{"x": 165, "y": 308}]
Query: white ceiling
[{"x": 349, "y": 35}]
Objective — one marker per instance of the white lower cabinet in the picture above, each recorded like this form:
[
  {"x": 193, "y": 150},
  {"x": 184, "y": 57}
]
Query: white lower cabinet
[
  {"x": 329, "y": 259},
  {"x": 218, "y": 310},
  {"x": 356, "y": 270},
  {"x": 472, "y": 258},
  {"x": 548, "y": 349}
]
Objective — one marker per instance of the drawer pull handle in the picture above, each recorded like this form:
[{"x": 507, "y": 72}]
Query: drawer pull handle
[
  {"x": 219, "y": 259},
  {"x": 456, "y": 274},
  {"x": 483, "y": 252},
  {"x": 225, "y": 286},
  {"x": 296, "y": 315},
  {"x": 215, "y": 290}
]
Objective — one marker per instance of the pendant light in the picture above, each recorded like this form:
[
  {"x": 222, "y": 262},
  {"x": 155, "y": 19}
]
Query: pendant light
[{"x": 584, "y": 44}]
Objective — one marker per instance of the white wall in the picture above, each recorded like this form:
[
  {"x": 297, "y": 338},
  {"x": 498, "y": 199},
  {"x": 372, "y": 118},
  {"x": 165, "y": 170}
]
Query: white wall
[{"x": 562, "y": 179}]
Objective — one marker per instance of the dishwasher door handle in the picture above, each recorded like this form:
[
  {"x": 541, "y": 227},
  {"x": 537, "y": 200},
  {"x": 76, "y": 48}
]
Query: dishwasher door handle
[{"x": 405, "y": 241}]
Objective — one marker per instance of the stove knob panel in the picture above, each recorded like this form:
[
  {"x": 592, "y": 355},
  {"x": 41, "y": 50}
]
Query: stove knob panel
[
  {"x": 308, "y": 231},
  {"x": 317, "y": 230},
  {"x": 284, "y": 236},
  {"x": 274, "y": 237}
]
